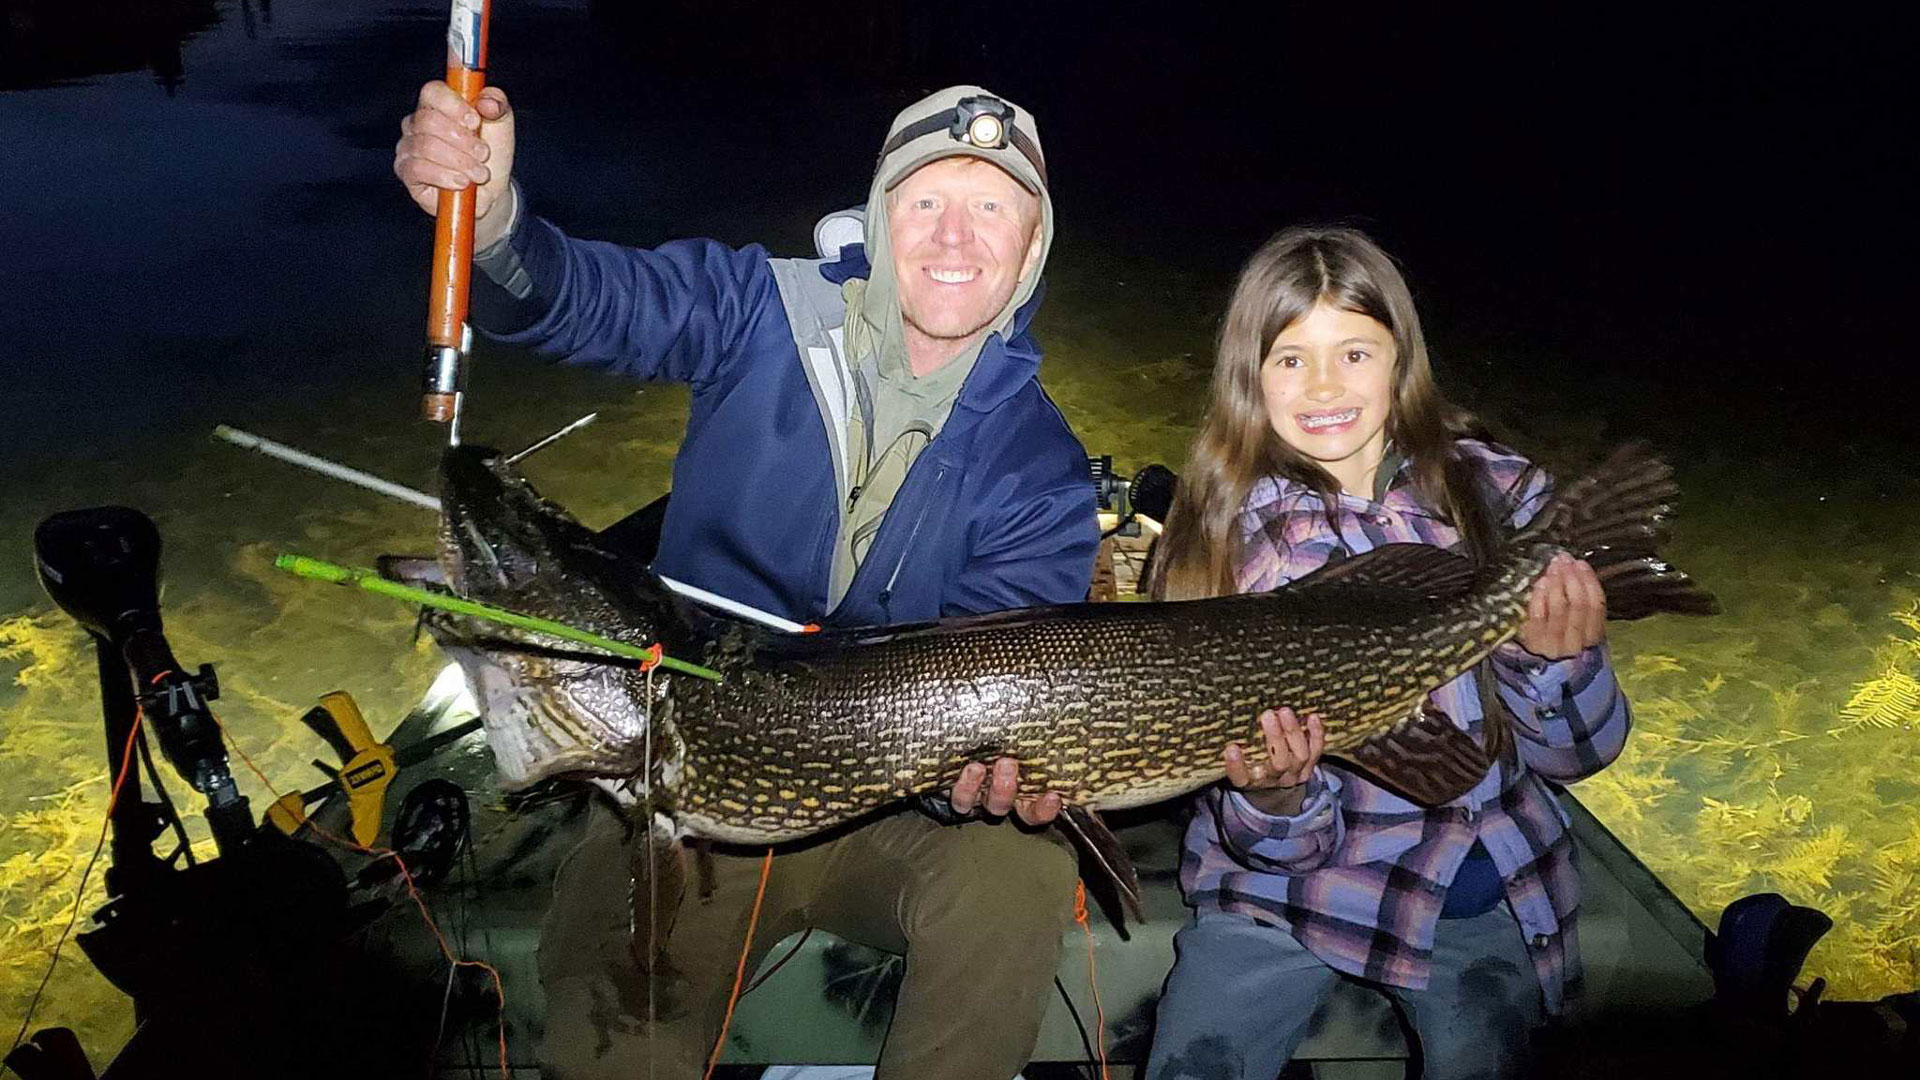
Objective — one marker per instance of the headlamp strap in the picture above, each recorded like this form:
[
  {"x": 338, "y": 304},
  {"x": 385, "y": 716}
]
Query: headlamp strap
[{"x": 959, "y": 123}]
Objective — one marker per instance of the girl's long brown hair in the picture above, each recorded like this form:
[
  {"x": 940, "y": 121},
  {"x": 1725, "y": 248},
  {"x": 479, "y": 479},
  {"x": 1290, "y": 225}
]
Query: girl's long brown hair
[{"x": 1237, "y": 445}]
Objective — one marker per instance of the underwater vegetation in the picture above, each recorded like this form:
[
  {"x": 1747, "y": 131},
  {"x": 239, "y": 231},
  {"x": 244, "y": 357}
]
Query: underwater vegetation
[
  {"x": 47, "y": 832},
  {"x": 277, "y": 642},
  {"x": 53, "y": 767},
  {"x": 1742, "y": 777}
]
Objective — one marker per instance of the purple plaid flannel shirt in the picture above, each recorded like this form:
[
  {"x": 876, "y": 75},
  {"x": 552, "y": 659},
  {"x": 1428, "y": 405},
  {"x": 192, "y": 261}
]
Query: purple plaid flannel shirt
[{"x": 1358, "y": 876}]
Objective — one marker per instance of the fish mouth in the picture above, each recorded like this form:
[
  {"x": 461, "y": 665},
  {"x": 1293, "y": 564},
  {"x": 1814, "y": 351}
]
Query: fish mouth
[
  {"x": 490, "y": 529},
  {"x": 550, "y": 707},
  {"x": 502, "y": 543}
]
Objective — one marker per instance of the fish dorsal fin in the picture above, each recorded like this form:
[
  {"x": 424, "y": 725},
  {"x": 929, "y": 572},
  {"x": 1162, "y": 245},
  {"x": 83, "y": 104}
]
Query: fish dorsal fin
[
  {"x": 1427, "y": 760},
  {"x": 1412, "y": 569}
]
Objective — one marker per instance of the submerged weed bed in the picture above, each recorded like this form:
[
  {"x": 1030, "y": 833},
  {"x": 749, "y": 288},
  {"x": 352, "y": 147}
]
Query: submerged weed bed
[{"x": 1775, "y": 751}]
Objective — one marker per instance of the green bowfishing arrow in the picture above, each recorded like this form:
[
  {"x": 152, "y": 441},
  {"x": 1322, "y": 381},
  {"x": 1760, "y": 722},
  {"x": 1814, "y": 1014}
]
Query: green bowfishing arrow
[{"x": 372, "y": 582}]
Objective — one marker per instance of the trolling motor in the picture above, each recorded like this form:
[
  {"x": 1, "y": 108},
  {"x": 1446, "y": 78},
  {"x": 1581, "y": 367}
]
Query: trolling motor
[
  {"x": 102, "y": 566},
  {"x": 211, "y": 951}
]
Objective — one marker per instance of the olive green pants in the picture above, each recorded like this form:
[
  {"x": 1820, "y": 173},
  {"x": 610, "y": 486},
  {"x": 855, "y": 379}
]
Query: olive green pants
[{"x": 978, "y": 910}]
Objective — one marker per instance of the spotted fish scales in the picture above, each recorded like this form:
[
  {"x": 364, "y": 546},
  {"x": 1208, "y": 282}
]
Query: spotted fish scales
[{"x": 1109, "y": 705}]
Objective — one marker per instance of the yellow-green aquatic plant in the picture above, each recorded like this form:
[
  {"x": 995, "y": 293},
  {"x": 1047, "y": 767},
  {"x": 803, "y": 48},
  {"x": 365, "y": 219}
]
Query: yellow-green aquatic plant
[{"x": 1733, "y": 785}]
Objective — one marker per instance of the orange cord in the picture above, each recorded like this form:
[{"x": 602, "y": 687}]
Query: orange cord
[
  {"x": 1099, "y": 1012},
  {"x": 654, "y": 655},
  {"x": 740, "y": 970},
  {"x": 406, "y": 875},
  {"x": 80, "y": 894}
]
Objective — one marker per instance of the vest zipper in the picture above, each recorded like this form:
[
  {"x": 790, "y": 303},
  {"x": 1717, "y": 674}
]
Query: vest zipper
[{"x": 886, "y": 593}]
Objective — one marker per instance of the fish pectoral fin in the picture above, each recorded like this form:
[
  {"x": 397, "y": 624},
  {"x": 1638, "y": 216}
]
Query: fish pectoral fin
[
  {"x": 703, "y": 869},
  {"x": 1098, "y": 844},
  {"x": 658, "y": 868},
  {"x": 1497, "y": 719},
  {"x": 1427, "y": 759},
  {"x": 1407, "y": 569}
]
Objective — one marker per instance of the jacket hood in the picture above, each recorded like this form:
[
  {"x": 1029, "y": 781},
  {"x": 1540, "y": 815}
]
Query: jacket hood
[
  {"x": 927, "y": 131},
  {"x": 1019, "y": 353}
]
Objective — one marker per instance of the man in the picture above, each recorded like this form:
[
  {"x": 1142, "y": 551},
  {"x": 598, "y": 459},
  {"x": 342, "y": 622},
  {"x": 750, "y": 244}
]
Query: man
[{"x": 868, "y": 443}]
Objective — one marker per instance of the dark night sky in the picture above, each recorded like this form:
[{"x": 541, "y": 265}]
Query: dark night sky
[
  {"x": 1719, "y": 206},
  {"x": 1719, "y": 200}
]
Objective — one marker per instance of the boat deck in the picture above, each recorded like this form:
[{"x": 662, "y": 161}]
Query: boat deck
[{"x": 829, "y": 1002}]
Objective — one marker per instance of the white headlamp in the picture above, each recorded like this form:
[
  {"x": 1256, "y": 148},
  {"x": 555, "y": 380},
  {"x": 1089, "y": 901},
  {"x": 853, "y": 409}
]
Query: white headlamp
[{"x": 983, "y": 122}]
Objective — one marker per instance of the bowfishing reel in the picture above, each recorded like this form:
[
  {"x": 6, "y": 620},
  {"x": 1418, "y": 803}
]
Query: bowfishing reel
[
  {"x": 1130, "y": 515},
  {"x": 1149, "y": 494}
]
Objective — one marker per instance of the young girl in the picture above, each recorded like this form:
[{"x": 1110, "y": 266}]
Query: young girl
[{"x": 1326, "y": 437}]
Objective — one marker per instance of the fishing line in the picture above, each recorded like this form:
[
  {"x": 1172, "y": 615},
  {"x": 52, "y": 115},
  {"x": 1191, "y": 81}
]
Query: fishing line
[
  {"x": 740, "y": 970},
  {"x": 1093, "y": 980},
  {"x": 463, "y": 931},
  {"x": 413, "y": 891},
  {"x": 166, "y": 803},
  {"x": 653, "y": 900},
  {"x": 446, "y": 999},
  {"x": 113, "y": 798}
]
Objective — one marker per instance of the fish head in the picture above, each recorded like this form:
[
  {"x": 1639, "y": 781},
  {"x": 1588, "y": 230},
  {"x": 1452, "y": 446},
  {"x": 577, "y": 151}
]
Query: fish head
[
  {"x": 550, "y": 706},
  {"x": 504, "y": 544},
  {"x": 501, "y": 542}
]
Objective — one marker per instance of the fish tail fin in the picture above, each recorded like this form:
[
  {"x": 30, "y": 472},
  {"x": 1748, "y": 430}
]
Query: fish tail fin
[{"x": 1615, "y": 518}]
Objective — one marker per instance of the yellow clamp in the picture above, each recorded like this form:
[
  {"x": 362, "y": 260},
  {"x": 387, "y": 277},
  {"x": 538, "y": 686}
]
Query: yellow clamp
[
  {"x": 366, "y": 768},
  {"x": 288, "y": 812}
]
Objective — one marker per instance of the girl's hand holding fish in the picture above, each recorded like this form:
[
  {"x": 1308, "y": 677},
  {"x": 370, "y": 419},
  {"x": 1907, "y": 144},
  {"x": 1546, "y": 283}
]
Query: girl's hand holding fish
[
  {"x": 1277, "y": 783},
  {"x": 1566, "y": 612}
]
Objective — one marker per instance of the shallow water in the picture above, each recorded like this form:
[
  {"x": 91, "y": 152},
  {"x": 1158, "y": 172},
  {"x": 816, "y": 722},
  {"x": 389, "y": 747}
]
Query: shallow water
[{"x": 236, "y": 251}]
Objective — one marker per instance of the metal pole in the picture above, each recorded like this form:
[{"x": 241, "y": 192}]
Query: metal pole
[{"x": 427, "y": 502}]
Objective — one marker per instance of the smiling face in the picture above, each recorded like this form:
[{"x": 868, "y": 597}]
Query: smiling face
[
  {"x": 1328, "y": 383},
  {"x": 964, "y": 234}
]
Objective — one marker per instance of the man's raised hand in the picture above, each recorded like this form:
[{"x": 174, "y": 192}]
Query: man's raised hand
[{"x": 446, "y": 144}]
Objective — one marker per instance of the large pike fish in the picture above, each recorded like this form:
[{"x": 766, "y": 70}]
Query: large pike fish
[{"x": 1109, "y": 705}]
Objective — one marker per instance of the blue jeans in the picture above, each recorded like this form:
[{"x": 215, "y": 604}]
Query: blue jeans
[{"x": 1238, "y": 1000}]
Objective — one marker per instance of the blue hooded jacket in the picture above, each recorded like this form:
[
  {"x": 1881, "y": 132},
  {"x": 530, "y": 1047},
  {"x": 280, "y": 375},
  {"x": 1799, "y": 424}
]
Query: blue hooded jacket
[{"x": 997, "y": 512}]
